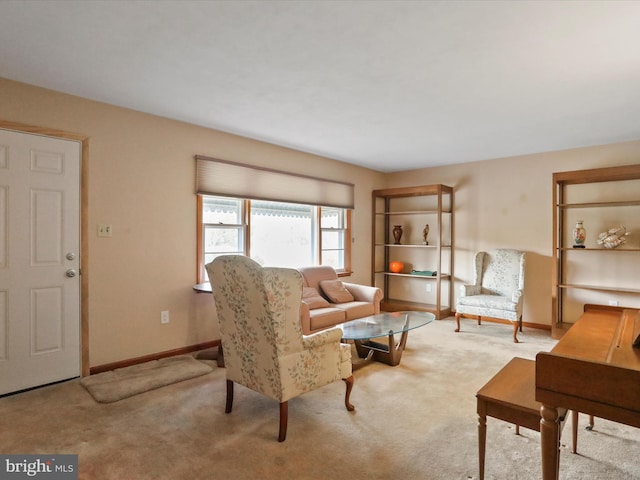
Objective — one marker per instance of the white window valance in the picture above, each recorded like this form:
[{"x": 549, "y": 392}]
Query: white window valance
[{"x": 230, "y": 179}]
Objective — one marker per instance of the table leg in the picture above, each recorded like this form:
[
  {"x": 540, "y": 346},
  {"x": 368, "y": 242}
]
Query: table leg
[
  {"x": 550, "y": 442},
  {"x": 389, "y": 353},
  {"x": 365, "y": 355},
  {"x": 395, "y": 351},
  {"x": 363, "y": 352},
  {"x": 220, "y": 358},
  {"x": 482, "y": 437}
]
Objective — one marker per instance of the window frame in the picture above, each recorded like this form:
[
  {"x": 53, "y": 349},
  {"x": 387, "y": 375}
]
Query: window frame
[
  {"x": 317, "y": 232},
  {"x": 347, "y": 238}
]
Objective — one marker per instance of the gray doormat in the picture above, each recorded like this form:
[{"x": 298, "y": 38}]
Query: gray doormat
[{"x": 125, "y": 382}]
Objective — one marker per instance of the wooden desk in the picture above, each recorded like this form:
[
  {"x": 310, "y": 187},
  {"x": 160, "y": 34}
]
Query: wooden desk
[{"x": 593, "y": 369}]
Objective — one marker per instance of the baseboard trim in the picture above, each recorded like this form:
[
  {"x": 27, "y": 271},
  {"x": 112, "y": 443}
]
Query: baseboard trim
[{"x": 154, "y": 356}]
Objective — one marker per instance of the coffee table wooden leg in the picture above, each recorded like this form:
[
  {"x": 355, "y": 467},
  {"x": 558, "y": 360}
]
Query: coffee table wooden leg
[
  {"x": 365, "y": 355},
  {"x": 403, "y": 342},
  {"x": 363, "y": 351},
  {"x": 395, "y": 351},
  {"x": 389, "y": 353}
]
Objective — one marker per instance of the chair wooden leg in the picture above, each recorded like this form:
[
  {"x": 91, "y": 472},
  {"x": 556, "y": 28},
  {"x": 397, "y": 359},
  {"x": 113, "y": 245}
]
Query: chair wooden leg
[
  {"x": 515, "y": 332},
  {"x": 479, "y": 320},
  {"x": 229, "y": 405},
  {"x": 284, "y": 416},
  {"x": 347, "y": 395},
  {"x": 457, "y": 322}
]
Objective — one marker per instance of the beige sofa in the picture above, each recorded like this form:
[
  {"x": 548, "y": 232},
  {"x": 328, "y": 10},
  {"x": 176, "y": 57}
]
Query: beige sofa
[{"x": 327, "y": 301}]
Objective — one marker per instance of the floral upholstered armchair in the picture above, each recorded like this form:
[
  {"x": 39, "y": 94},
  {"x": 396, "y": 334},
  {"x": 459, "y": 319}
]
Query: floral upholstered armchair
[
  {"x": 264, "y": 348},
  {"x": 497, "y": 289}
]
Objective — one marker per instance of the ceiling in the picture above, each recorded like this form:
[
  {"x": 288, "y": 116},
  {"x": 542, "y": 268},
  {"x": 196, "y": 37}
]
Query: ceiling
[{"x": 388, "y": 85}]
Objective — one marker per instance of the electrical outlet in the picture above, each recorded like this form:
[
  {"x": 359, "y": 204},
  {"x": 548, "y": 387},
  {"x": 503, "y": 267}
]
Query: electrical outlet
[
  {"x": 164, "y": 317},
  {"x": 104, "y": 230},
  {"x": 428, "y": 288},
  {"x": 613, "y": 303}
]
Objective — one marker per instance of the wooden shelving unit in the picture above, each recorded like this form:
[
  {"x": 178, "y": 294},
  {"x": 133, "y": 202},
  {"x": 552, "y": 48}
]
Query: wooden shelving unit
[
  {"x": 602, "y": 198},
  {"x": 413, "y": 208}
]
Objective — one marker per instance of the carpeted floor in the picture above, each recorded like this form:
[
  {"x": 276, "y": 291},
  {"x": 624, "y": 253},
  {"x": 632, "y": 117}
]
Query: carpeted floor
[{"x": 414, "y": 421}]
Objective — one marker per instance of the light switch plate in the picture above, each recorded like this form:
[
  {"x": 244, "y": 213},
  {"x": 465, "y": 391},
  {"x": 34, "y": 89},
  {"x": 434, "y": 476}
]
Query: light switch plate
[{"x": 104, "y": 230}]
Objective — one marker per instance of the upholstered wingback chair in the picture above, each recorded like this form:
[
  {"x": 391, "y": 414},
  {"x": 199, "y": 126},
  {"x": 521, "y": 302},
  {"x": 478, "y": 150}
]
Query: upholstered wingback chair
[
  {"x": 497, "y": 288},
  {"x": 264, "y": 349}
]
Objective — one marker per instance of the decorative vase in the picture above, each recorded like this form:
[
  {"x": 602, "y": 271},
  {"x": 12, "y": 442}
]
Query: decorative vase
[
  {"x": 425, "y": 234},
  {"x": 396, "y": 267},
  {"x": 397, "y": 233},
  {"x": 579, "y": 234}
]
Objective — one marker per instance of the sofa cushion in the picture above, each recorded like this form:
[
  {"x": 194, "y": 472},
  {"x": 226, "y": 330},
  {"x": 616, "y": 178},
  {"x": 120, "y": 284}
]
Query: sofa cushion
[
  {"x": 312, "y": 276},
  {"x": 312, "y": 297},
  {"x": 355, "y": 310},
  {"x": 326, "y": 317},
  {"x": 336, "y": 291}
]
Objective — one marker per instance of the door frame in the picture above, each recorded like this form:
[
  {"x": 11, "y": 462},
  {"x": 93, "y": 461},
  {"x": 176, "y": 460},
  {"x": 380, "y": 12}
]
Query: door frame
[{"x": 84, "y": 224}]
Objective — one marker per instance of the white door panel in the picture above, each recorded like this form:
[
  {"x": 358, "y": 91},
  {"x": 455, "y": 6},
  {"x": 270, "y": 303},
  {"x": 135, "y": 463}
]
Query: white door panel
[{"x": 39, "y": 243}]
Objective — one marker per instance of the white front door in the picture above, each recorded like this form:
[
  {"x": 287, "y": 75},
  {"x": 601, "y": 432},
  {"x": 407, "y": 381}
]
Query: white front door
[{"x": 39, "y": 260}]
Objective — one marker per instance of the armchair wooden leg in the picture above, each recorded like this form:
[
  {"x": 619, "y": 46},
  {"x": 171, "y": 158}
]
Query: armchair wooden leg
[
  {"x": 347, "y": 395},
  {"x": 457, "y": 322},
  {"x": 284, "y": 416},
  {"x": 479, "y": 320},
  {"x": 515, "y": 332},
  {"x": 229, "y": 405}
]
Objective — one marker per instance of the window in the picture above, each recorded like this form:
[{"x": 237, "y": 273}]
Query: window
[
  {"x": 334, "y": 239},
  {"x": 223, "y": 227},
  {"x": 273, "y": 233},
  {"x": 282, "y": 234}
]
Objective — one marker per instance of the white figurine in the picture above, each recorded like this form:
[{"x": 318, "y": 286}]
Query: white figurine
[{"x": 614, "y": 237}]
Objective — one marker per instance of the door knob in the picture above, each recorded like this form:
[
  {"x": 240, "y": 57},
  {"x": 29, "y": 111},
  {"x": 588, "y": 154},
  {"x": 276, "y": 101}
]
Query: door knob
[
  {"x": 70, "y": 256},
  {"x": 70, "y": 273}
]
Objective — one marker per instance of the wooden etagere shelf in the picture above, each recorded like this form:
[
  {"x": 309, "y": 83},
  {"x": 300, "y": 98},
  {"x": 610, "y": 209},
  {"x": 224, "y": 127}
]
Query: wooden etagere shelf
[
  {"x": 413, "y": 208},
  {"x": 603, "y": 198},
  {"x": 600, "y": 249}
]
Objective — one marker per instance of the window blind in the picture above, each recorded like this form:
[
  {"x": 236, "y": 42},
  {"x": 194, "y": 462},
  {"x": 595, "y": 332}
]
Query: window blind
[{"x": 230, "y": 179}]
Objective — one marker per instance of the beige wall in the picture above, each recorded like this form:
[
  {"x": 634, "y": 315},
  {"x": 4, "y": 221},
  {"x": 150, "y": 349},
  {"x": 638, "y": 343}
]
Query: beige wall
[
  {"x": 507, "y": 203},
  {"x": 141, "y": 181}
]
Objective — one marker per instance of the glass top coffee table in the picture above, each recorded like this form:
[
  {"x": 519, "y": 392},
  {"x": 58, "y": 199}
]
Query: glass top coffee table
[{"x": 385, "y": 324}]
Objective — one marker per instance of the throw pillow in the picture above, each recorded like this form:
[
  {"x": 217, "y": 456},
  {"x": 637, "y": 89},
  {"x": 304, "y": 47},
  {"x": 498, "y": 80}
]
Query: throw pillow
[
  {"x": 336, "y": 291},
  {"x": 312, "y": 297}
]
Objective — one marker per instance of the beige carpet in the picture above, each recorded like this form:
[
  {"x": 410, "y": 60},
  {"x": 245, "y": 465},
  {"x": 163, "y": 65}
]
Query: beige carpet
[
  {"x": 125, "y": 382},
  {"x": 414, "y": 421}
]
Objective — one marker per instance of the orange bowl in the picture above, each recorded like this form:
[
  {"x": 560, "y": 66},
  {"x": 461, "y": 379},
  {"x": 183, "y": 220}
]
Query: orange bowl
[{"x": 396, "y": 267}]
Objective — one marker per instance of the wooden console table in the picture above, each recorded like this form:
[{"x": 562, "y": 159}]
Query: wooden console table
[{"x": 593, "y": 369}]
